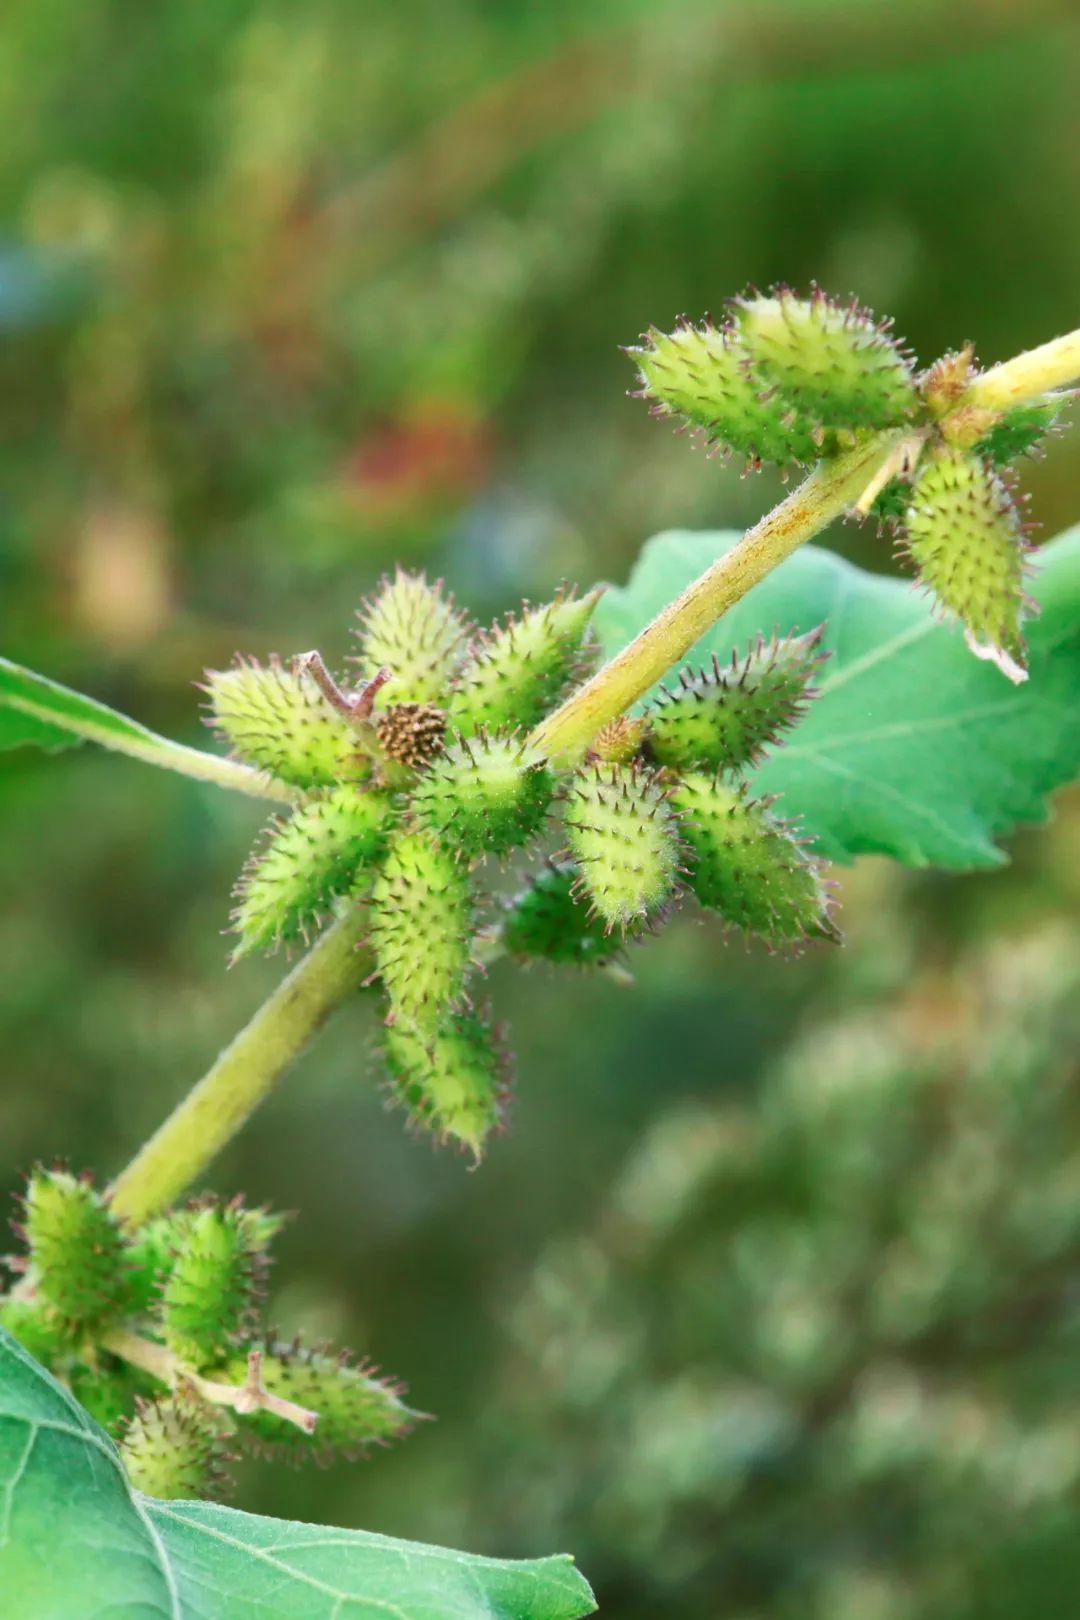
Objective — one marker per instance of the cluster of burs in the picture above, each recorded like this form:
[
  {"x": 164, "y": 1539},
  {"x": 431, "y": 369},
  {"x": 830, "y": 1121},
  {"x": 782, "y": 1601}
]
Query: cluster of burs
[
  {"x": 159, "y": 1334},
  {"x": 402, "y": 808},
  {"x": 794, "y": 381}
]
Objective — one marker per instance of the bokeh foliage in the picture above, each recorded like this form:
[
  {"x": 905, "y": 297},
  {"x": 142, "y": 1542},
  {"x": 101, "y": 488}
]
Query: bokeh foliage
[{"x": 289, "y": 294}]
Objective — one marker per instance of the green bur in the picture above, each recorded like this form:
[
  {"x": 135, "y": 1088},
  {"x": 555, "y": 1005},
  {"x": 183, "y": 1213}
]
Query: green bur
[
  {"x": 703, "y": 375},
  {"x": 208, "y": 1298},
  {"x": 354, "y": 1408},
  {"x": 546, "y": 922},
  {"x": 1021, "y": 430},
  {"x": 964, "y": 536},
  {"x": 747, "y": 866},
  {"x": 624, "y": 836},
  {"x": 308, "y": 861},
  {"x": 281, "y": 722},
  {"x": 725, "y": 717},
  {"x": 454, "y": 1082},
  {"x": 831, "y": 363},
  {"x": 515, "y": 672},
  {"x": 487, "y": 794},
  {"x": 174, "y": 1448},
  {"x": 421, "y": 924},
  {"x": 75, "y": 1248},
  {"x": 415, "y": 631}
]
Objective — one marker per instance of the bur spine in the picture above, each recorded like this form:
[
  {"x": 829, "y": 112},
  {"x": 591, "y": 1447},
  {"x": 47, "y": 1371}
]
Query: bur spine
[
  {"x": 453, "y": 1083},
  {"x": 75, "y": 1248},
  {"x": 488, "y": 794},
  {"x": 356, "y": 1409},
  {"x": 726, "y": 716},
  {"x": 414, "y": 629},
  {"x": 964, "y": 535},
  {"x": 421, "y": 923},
  {"x": 624, "y": 836},
  {"x": 326, "y": 849},
  {"x": 515, "y": 672},
  {"x": 548, "y": 921},
  {"x": 279, "y": 721},
  {"x": 749, "y": 866}
]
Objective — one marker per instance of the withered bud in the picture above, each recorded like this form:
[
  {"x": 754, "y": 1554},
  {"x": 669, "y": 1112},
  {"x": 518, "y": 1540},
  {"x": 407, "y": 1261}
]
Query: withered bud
[{"x": 411, "y": 733}]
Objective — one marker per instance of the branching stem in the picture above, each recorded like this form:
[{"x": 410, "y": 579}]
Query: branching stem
[{"x": 830, "y": 489}]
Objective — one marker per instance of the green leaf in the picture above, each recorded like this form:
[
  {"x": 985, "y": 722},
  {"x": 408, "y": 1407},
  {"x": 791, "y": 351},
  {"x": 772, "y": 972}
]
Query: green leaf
[
  {"x": 43, "y": 714},
  {"x": 77, "y": 1543},
  {"x": 914, "y": 748}
]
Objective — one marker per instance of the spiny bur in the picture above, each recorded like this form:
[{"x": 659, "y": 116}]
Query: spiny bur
[
  {"x": 747, "y": 865},
  {"x": 726, "y": 716},
  {"x": 176, "y": 1447},
  {"x": 75, "y": 1248},
  {"x": 420, "y": 933},
  {"x": 280, "y": 722},
  {"x": 831, "y": 363},
  {"x": 320, "y": 852},
  {"x": 455, "y": 1082},
  {"x": 515, "y": 672},
  {"x": 624, "y": 835},
  {"x": 619, "y": 741},
  {"x": 965, "y": 538},
  {"x": 110, "y": 1392},
  {"x": 413, "y": 629},
  {"x": 487, "y": 794},
  {"x": 548, "y": 922},
  {"x": 38, "y": 1328},
  {"x": 356, "y": 1409},
  {"x": 210, "y": 1296},
  {"x": 1021, "y": 431}
]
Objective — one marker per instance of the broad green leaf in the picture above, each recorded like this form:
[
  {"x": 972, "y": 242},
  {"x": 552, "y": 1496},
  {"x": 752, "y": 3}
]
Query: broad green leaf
[
  {"x": 43, "y": 714},
  {"x": 914, "y": 748},
  {"x": 77, "y": 1543}
]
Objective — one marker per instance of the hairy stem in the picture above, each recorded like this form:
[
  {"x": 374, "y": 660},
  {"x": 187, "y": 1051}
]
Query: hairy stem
[
  {"x": 244, "y": 1074},
  {"x": 1026, "y": 376},
  {"x": 832, "y": 487}
]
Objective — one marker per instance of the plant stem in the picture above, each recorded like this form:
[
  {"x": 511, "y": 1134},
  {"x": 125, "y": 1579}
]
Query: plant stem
[
  {"x": 250, "y": 1396},
  {"x": 244, "y": 1074},
  {"x": 1025, "y": 376},
  {"x": 829, "y": 490}
]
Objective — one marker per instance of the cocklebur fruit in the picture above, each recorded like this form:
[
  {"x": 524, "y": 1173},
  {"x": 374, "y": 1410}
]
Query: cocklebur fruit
[
  {"x": 38, "y": 1328},
  {"x": 306, "y": 862},
  {"x": 75, "y": 1248},
  {"x": 747, "y": 865},
  {"x": 547, "y": 922},
  {"x": 209, "y": 1297},
  {"x": 355, "y": 1408},
  {"x": 110, "y": 1392},
  {"x": 964, "y": 535},
  {"x": 413, "y": 629},
  {"x": 176, "y": 1447},
  {"x": 485, "y": 794},
  {"x": 515, "y": 672},
  {"x": 832, "y": 363},
  {"x": 725, "y": 717},
  {"x": 279, "y": 721},
  {"x": 150, "y": 1254},
  {"x": 1020, "y": 432},
  {"x": 624, "y": 836},
  {"x": 421, "y": 923},
  {"x": 454, "y": 1082},
  {"x": 703, "y": 376}
]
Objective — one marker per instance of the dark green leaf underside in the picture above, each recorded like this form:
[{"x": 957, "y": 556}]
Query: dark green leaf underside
[
  {"x": 76, "y": 1543},
  {"x": 914, "y": 748}
]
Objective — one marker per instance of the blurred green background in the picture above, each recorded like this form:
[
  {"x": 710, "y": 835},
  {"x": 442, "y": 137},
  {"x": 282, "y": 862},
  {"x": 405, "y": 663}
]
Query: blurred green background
[{"x": 768, "y": 1305}]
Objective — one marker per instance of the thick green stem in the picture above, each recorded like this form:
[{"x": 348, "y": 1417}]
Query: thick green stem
[
  {"x": 830, "y": 489},
  {"x": 1026, "y": 376},
  {"x": 247, "y": 1070}
]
